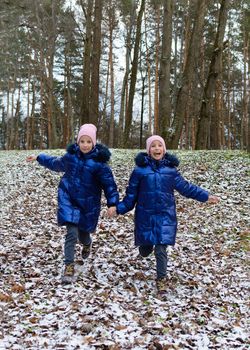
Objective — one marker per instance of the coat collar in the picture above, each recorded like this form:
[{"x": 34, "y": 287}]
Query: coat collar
[
  {"x": 143, "y": 159},
  {"x": 99, "y": 153}
]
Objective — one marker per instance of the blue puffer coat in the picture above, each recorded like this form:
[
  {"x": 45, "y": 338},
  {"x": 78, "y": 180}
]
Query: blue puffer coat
[
  {"x": 151, "y": 188},
  {"x": 80, "y": 188}
]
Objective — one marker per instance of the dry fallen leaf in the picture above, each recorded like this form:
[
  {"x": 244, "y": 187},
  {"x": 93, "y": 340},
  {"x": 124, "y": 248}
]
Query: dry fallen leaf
[
  {"x": 113, "y": 303},
  {"x": 6, "y": 298},
  {"x": 18, "y": 288}
]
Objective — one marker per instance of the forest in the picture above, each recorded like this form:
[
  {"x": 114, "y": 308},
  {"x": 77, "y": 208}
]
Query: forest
[
  {"x": 133, "y": 68},
  {"x": 177, "y": 68}
]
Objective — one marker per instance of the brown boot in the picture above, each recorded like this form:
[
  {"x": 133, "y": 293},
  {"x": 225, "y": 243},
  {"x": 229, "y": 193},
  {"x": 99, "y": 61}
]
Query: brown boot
[
  {"x": 68, "y": 274},
  {"x": 86, "y": 249},
  {"x": 161, "y": 285}
]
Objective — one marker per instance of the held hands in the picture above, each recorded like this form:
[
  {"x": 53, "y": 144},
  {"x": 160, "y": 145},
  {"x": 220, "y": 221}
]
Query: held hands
[
  {"x": 111, "y": 212},
  {"x": 213, "y": 199},
  {"x": 31, "y": 158}
]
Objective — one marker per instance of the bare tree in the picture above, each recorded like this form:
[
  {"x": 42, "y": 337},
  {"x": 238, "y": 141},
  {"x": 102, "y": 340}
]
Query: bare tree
[
  {"x": 189, "y": 73},
  {"x": 157, "y": 50},
  {"x": 86, "y": 61},
  {"x": 111, "y": 13},
  {"x": 149, "y": 80},
  {"x": 95, "y": 63},
  {"x": 245, "y": 125},
  {"x": 202, "y": 139},
  {"x": 129, "y": 111},
  {"x": 129, "y": 19},
  {"x": 165, "y": 63}
]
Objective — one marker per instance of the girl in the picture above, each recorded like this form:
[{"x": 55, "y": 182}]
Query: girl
[
  {"x": 151, "y": 189},
  {"x": 86, "y": 173}
]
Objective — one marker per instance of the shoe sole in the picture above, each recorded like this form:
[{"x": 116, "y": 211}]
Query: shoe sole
[{"x": 68, "y": 279}]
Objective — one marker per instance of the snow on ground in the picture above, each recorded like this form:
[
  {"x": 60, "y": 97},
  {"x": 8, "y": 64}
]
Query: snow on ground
[{"x": 113, "y": 305}]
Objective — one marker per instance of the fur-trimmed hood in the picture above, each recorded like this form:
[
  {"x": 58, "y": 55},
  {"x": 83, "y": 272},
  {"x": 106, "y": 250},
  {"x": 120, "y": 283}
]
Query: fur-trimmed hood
[
  {"x": 99, "y": 153},
  {"x": 143, "y": 159}
]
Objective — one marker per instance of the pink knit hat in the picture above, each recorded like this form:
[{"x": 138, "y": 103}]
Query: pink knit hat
[
  {"x": 153, "y": 138},
  {"x": 87, "y": 130}
]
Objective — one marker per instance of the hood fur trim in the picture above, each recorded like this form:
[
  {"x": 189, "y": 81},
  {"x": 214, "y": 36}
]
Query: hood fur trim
[
  {"x": 100, "y": 153},
  {"x": 143, "y": 159}
]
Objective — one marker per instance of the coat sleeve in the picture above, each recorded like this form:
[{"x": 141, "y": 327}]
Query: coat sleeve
[
  {"x": 109, "y": 186},
  {"x": 190, "y": 190},
  {"x": 131, "y": 196},
  {"x": 52, "y": 163}
]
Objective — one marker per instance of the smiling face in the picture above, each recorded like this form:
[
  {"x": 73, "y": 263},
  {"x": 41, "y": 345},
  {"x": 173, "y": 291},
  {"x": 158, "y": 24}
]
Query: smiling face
[
  {"x": 85, "y": 143},
  {"x": 156, "y": 150}
]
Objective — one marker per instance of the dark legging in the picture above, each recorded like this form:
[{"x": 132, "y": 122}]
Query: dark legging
[
  {"x": 160, "y": 251},
  {"x": 71, "y": 238}
]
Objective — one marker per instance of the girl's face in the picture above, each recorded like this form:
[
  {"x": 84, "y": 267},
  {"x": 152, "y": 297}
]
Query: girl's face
[
  {"x": 85, "y": 143},
  {"x": 156, "y": 150}
]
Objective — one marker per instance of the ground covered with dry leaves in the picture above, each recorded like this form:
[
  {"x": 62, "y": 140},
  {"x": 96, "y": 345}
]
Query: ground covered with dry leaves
[{"x": 113, "y": 304}]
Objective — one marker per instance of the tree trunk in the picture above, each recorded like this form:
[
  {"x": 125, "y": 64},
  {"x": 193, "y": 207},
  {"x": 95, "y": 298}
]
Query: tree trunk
[
  {"x": 202, "y": 141},
  {"x": 149, "y": 80},
  {"x": 95, "y": 64},
  {"x": 4, "y": 129},
  {"x": 54, "y": 140},
  {"x": 8, "y": 116},
  {"x": 28, "y": 119},
  {"x": 17, "y": 119},
  {"x": 180, "y": 40},
  {"x": 32, "y": 116},
  {"x": 156, "y": 92},
  {"x": 68, "y": 134},
  {"x": 142, "y": 111},
  {"x": 164, "y": 81},
  {"x": 103, "y": 121},
  {"x": 123, "y": 105},
  {"x": 228, "y": 123},
  {"x": 85, "y": 116},
  {"x": 43, "y": 133},
  {"x": 129, "y": 111},
  {"x": 189, "y": 74},
  {"x": 112, "y": 87},
  {"x": 216, "y": 118},
  {"x": 245, "y": 130},
  {"x": 12, "y": 118},
  {"x": 122, "y": 108},
  {"x": 65, "y": 98},
  {"x": 46, "y": 67}
]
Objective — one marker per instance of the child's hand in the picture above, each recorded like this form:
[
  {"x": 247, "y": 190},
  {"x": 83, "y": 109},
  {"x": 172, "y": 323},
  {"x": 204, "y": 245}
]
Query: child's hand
[
  {"x": 111, "y": 212},
  {"x": 213, "y": 199},
  {"x": 31, "y": 158}
]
